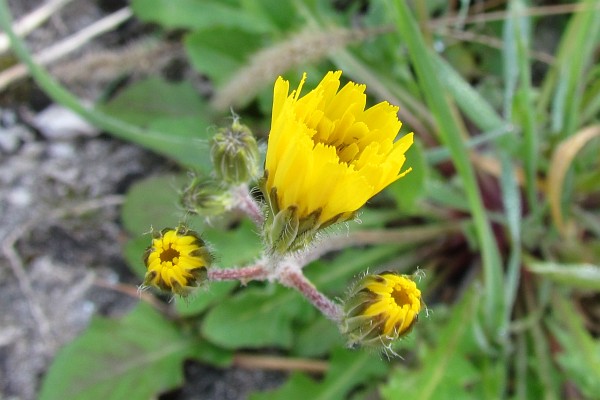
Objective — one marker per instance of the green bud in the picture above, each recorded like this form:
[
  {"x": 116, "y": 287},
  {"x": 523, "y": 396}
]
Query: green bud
[
  {"x": 205, "y": 197},
  {"x": 235, "y": 155}
]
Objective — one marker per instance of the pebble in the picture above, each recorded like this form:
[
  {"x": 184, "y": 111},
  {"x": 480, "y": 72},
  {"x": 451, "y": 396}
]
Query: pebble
[{"x": 59, "y": 123}]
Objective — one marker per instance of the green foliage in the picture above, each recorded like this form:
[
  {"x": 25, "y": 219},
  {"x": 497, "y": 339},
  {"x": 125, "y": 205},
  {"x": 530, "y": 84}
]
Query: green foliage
[
  {"x": 256, "y": 317},
  {"x": 408, "y": 190},
  {"x": 134, "y": 357},
  {"x": 195, "y": 14},
  {"x": 175, "y": 109},
  {"x": 579, "y": 276},
  {"x": 219, "y": 52},
  {"x": 445, "y": 371},
  {"x": 347, "y": 370},
  {"x": 152, "y": 203},
  {"x": 580, "y": 355}
]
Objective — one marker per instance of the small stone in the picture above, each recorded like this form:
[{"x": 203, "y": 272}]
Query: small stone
[
  {"x": 59, "y": 123},
  {"x": 20, "y": 197},
  {"x": 11, "y": 138}
]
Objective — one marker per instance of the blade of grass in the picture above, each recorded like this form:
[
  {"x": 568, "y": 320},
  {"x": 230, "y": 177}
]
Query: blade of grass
[
  {"x": 451, "y": 133},
  {"x": 588, "y": 349},
  {"x": 182, "y": 149},
  {"x": 541, "y": 349},
  {"x": 591, "y": 107},
  {"x": 468, "y": 99},
  {"x": 520, "y": 366},
  {"x": 439, "y": 154},
  {"x": 562, "y": 86},
  {"x": 519, "y": 92},
  {"x": 512, "y": 209}
]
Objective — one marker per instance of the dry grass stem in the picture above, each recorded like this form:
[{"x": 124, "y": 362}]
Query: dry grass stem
[
  {"x": 251, "y": 361},
  {"x": 67, "y": 46},
  {"x": 31, "y": 21}
]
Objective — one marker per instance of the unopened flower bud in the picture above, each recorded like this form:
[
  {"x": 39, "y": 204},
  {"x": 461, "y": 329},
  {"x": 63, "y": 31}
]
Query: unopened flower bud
[
  {"x": 235, "y": 155},
  {"x": 379, "y": 309},
  {"x": 176, "y": 261},
  {"x": 206, "y": 197}
]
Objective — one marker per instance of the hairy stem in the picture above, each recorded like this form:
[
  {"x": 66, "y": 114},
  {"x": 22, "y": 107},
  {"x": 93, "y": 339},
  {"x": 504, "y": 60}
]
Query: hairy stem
[
  {"x": 291, "y": 275},
  {"x": 244, "y": 202},
  {"x": 254, "y": 272}
]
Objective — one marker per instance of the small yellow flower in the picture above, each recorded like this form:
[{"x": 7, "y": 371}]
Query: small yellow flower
[
  {"x": 326, "y": 156},
  {"x": 176, "y": 261},
  {"x": 380, "y": 309}
]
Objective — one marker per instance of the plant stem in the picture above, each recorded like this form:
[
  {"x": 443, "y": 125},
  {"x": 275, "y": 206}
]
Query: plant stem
[
  {"x": 245, "y": 202},
  {"x": 254, "y": 272},
  {"x": 291, "y": 275}
]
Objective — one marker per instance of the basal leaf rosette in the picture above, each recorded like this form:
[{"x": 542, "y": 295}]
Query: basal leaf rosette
[{"x": 326, "y": 157}]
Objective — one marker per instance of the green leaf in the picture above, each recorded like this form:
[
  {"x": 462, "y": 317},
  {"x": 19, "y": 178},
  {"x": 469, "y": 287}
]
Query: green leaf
[
  {"x": 135, "y": 357},
  {"x": 317, "y": 338},
  {"x": 155, "y": 98},
  {"x": 196, "y": 14},
  {"x": 219, "y": 52},
  {"x": 256, "y": 317},
  {"x": 474, "y": 105},
  {"x": 279, "y": 13},
  {"x": 575, "y": 54},
  {"x": 409, "y": 189},
  {"x": 332, "y": 276},
  {"x": 234, "y": 247},
  {"x": 133, "y": 251},
  {"x": 446, "y": 194},
  {"x": 519, "y": 91},
  {"x": 175, "y": 109},
  {"x": 580, "y": 355},
  {"x": 200, "y": 300},
  {"x": 297, "y": 387},
  {"x": 445, "y": 372},
  {"x": 578, "y": 276},
  {"x": 152, "y": 203},
  {"x": 347, "y": 370}
]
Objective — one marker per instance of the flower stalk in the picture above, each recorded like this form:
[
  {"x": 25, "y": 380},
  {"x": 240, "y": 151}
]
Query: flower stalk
[
  {"x": 244, "y": 202},
  {"x": 291, "y": 275}
]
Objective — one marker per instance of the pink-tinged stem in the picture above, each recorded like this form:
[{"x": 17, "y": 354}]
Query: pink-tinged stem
[
  {"x": 294, "y": 278},
  {"x": 244, "y": 274},
  {"x": 246, "y": 203}
]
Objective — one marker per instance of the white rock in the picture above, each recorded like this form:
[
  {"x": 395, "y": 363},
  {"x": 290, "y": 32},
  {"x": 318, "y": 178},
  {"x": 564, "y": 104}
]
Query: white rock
[{"x": 59, "y": 123}]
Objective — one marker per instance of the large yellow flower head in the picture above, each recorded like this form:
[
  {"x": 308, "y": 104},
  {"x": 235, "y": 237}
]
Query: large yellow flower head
[
  {"x": 380, "y": 309},
  {"x": 177, "y": 260},
  {"x": 326, "y": 157}
]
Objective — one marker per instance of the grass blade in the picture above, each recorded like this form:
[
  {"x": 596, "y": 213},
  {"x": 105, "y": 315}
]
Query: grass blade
[{"x": 452, "y": 136}]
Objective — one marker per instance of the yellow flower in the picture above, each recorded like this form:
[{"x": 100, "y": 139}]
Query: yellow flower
[
  {"x": 380, "y": 309},
  {"x": 326, "y": 157},
  {"x": 176, "y": 261}
]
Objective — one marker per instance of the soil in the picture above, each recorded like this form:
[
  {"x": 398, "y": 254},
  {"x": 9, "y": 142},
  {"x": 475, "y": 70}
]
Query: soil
[{"x": 61, "y": 239}]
